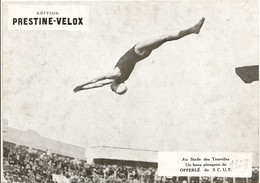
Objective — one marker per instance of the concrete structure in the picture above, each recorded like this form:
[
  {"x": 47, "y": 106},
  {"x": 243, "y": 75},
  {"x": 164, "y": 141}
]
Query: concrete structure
[{"x": 119, "y": 153}]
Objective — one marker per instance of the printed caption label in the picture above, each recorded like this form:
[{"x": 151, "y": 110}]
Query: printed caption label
[
  {"x": 48, "y": 17},
  {"x": 205, "y": 164}
]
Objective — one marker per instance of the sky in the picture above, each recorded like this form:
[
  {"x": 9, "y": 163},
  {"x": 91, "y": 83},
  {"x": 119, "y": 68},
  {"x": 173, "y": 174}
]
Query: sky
[{"x": 184, "y": 97}]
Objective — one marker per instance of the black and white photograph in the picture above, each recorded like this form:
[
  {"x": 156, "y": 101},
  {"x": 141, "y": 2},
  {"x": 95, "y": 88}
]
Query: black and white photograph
[{"x": 95, "y": 91}]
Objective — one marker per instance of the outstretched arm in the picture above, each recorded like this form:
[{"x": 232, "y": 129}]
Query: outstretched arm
[
  {"x": 94, "y": 85},
  {"x": 99, "y": 81},
  {"x": 99, "y": 78}
]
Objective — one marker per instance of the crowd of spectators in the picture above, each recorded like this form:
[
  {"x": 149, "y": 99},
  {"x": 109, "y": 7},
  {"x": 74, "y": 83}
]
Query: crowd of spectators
[{"x": 26, "y": 165}]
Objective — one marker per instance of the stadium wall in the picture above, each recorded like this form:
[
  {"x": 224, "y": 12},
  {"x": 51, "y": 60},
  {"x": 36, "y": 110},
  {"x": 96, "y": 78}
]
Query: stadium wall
[{"x": 119, "y": 153}]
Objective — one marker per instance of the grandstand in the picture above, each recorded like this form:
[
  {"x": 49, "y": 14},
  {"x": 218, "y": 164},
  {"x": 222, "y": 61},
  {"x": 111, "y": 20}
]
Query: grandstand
[{"x": 56, "y": 162}]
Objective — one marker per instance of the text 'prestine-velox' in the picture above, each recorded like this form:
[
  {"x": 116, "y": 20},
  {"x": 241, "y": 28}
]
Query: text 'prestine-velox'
[{"x": 48, "y": 21}]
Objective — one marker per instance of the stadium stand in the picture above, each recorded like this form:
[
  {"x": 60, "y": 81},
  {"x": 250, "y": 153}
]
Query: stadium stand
[{"x": 27, "y": 162}]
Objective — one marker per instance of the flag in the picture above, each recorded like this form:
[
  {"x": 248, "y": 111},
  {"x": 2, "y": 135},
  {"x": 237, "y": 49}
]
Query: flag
[
  {"x": 60, "y": 178},
  {"x": 5, "y": 125}
]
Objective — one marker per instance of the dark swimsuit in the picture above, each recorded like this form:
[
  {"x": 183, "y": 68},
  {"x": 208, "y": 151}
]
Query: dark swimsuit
[{"x": 126, "y": 64}]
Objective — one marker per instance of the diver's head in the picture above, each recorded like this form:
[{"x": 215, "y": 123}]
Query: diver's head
[{"x": 118, "y": 88}]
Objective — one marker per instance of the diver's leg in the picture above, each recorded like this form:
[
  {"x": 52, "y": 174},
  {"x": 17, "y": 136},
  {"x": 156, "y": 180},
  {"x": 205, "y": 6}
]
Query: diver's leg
[{"x": 145, "y": 47}]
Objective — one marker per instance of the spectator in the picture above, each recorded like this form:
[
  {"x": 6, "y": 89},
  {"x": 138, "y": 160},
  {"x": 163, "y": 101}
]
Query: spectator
[{"x": 27, "y": 165}]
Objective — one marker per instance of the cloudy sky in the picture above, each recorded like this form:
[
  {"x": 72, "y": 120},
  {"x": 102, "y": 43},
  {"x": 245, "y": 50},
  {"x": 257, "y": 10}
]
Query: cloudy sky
[{"x": 184, "y": 97}]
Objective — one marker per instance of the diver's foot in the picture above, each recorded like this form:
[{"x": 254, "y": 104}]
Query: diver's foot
[{"x": 197, "y": 27}]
